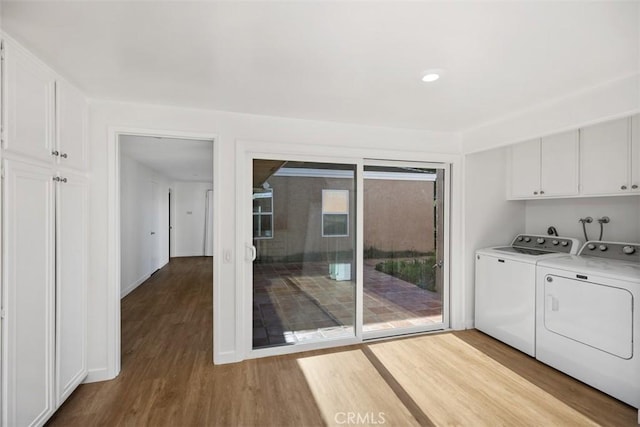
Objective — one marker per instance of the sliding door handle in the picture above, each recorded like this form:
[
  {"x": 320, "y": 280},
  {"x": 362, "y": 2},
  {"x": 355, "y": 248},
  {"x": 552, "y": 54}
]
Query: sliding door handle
[{"x": 254, "y": 252}]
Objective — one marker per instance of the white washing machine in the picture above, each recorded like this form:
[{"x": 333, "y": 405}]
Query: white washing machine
[
  {"x": 588, "y": 317},
  {"x": 505, "y": 287}
]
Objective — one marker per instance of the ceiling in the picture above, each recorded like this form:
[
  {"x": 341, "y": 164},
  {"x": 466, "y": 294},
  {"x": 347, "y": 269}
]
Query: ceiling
[
  {"x": 179, "y": 159},
  {"x": 356, "y": 62}
]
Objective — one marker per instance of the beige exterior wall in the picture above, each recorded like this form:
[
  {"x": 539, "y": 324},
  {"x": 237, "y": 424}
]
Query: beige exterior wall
[{"x": 398, "y": 217}]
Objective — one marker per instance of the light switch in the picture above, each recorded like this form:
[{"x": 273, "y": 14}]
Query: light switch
[{"x": 227, "y": 256}]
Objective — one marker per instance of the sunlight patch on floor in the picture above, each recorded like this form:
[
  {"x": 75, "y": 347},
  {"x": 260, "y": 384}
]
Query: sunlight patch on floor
[
  {"x": 456, "y": 384},
  {"x": 349, "y": 390}
]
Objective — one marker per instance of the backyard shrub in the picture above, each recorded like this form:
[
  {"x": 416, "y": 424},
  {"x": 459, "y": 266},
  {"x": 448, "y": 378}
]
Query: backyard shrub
[{"x": 420, "y": 272}]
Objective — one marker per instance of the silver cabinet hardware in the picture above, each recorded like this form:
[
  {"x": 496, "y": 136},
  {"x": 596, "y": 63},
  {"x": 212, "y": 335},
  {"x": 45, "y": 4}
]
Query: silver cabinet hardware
[
  {"x": 55, "y": 153},
  {"x": 541, "y": 192},
  {"x": 56, "y": 178},
  {"x": 624, "y": 187},
  {"x": 63, "y": 155},
  {"x": 63, "y": 179},
  {"x": 535, "y": 192},
  {"x": 634, "y": 186}
]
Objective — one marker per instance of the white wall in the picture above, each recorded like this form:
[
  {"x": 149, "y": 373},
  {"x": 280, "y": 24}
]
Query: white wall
[
  {"x": 489, "y": 218},
  {"x": 188, "y": 217},
  {"x": 624, "y": 212},
  {"x": 137, "y": 212},
  {"x": 228, "y": 128},
  {"x": 614, "y": 99}
]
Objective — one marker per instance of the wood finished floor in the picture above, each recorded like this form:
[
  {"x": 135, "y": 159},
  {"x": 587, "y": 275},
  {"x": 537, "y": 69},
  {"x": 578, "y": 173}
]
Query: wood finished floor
[{"x": 168, "y": 378}]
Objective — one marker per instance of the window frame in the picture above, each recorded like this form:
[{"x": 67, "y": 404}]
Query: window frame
[
  {"x": 260, "y": 215},
  {"x": 324, "y": 214}
]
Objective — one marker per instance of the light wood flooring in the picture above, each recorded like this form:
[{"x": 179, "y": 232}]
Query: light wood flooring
[{"x": 461, "y": 378}]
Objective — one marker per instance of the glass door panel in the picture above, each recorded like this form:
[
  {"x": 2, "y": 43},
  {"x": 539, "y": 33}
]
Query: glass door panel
[
  {"x": 304, "y": 281},
  {"x": 404, "y": 239}
]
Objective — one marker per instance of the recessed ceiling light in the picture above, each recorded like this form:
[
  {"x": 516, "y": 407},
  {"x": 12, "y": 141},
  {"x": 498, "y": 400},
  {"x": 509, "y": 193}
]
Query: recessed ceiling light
[{"x": 431, "y": 75}]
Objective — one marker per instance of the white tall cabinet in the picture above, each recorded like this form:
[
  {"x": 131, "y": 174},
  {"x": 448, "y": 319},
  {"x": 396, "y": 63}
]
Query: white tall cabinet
[{"x": 44, "y": 235}]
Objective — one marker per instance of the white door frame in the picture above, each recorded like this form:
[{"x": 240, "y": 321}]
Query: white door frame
[
  {"x": 246, "y": 151},
  {"x": 113, "y": 243}
]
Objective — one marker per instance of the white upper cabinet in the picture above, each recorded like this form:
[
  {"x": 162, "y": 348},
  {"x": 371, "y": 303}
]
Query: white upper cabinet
[
  {"x": 559, "y": 164},
  {"x": 635, "y": 154},
  {"x": 29, "y": 101},
  {"x": 546, "y": 167},
  {"x": 605, "y": 160},
  {"x": 71, "y": 108},
  {"x": 525, "y": 169}
]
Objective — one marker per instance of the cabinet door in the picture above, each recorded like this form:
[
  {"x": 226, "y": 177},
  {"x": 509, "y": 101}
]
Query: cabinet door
[
  {"x": 604, "y": 158},
  {"x": 30, "y": 106},
  {"x": 635, "y": 154},
  {"x": 72, "y": 126},
  {"x": 28, "y": 275},
  {"x": 71, "y": 283},
  {"x": 525, "y": 169},
  {"x": 559, "y": 163}
]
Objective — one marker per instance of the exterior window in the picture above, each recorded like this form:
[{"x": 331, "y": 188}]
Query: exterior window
[
  {"x": 262, "y": 213},
  {"x": 335, "y": 213}
]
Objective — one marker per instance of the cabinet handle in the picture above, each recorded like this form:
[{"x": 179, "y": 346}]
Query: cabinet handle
[
  {"x": 63, "y": 155},
  {"x": 63, "y": 179},
  {"x": 55, "y": 153},
  {"x": 623, "y": 187},
  {"x": 634, "y": 186},
  {"x": 541, "y": 192},
  {"x": 535, "y": 192},
  {"x": 56, "y": 178}
]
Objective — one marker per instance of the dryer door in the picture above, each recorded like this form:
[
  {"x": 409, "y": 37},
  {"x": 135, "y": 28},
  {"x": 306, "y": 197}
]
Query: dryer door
[{"x": 594, "y": 314}]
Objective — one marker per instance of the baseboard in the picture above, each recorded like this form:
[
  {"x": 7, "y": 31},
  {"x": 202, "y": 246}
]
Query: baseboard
[
  {"x": 97, "y": 375},
  {"x": 226, "y": 357},
  {"x": 126, "y": 291}
]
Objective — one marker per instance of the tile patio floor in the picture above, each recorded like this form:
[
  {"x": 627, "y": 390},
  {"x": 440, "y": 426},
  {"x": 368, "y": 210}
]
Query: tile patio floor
[{"x": 294, "y": 302}]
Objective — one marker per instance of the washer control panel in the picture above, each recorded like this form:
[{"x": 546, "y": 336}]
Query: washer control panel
[
  {"x": 547, "y": 243},
  {"x": 612, "y": 250}
]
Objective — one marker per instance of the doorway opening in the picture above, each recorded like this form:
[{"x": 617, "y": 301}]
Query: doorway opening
[{"x": 165, "y": 240}]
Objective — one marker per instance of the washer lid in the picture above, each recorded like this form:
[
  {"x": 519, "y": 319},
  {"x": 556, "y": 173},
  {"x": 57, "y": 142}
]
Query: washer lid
[{"x": 585, "y": 265}]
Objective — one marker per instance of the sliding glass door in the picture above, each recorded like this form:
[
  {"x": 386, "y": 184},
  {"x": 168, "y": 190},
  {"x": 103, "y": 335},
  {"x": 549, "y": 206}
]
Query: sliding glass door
[
  {"x": 403, "y": 257},
  {"x": 346, "y": 250},
  {"x": 304, "y": 238}
]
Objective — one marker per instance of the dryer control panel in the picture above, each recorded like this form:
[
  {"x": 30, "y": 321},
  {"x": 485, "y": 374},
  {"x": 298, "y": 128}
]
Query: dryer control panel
[
  {"x": 612, "y": 250},
  {"x": 547, "y": 243}
]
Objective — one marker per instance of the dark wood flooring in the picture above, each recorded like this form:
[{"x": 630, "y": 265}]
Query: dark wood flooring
[{"x": 168, "y": 378}]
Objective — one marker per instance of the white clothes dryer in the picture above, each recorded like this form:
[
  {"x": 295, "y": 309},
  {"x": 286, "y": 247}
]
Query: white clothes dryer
[{"x": 588, "y": 317}]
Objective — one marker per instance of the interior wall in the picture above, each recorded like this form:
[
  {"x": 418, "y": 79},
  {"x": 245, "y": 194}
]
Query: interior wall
[
  {"x": 137, "y": 209},
  {"x": 188, "y": 217},
  {"x": 613, "y": 99},
  {"x": 228, "y": 129},
  {"x": 490, "y": 219},
  {"x": 624, "y": 212}
]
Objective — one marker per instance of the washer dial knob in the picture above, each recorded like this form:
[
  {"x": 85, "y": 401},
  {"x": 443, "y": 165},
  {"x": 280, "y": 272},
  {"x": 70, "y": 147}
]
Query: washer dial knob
[
  {"x": 591, "y": 246},
  {"x": 555, "y": 242},
  {"x": 527, "y": 239},
  {"x": 603, "y": 247},
  {"x": 540, "y": 240},
  {"x": 564, "y": 243},
  {"x": 629, "y": 250},
  {"x": 520, "y": 239}
]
